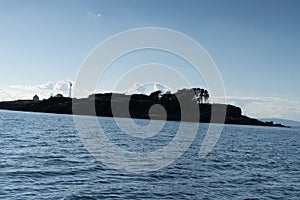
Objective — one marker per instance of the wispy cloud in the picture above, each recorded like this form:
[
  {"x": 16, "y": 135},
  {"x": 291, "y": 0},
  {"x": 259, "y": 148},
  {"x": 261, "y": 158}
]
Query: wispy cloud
[
  {"x": 23, "y": 87},
  {"x": 94, "y": 15},
  {"x": 44, "y": 86}
]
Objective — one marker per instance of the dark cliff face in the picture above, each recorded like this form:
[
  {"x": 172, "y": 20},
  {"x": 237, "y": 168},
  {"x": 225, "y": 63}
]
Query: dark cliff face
[{"x": 116, "y": 105}]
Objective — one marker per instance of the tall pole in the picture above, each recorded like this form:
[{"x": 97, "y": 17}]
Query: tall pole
[{"x": 70, "y": 90}]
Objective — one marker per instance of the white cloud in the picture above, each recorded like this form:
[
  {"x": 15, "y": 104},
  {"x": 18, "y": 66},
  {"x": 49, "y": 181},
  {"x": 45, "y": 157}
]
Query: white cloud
[
  {"x": 136, "y": 88},
  {"x": 139, "y": 88},
  {"x": 23, "y": 87},
  {"x": 5, "y": 94},
  {"x": 46, "y": 86},
  {"x": 267, "y": 107},
  {"x": 62, "y": 86},
  {"x": 27, "y": 92},
  {"x": 13, "y": 94}
]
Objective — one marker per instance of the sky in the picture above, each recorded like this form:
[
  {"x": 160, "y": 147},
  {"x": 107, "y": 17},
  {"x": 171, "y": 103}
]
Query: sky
[{"x": 254, "y": 43}]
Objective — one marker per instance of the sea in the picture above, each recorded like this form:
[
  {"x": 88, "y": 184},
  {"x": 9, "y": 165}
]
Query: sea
[{"x": 42, "y": 156}]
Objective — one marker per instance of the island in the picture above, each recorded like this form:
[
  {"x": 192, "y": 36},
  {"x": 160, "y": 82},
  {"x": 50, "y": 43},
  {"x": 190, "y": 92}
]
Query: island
[{"x": 138, "y": 106}]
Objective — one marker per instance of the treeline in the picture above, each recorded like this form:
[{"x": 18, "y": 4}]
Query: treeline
[
  {"x": 193, "y": 102},
  {"x": 197, "y": 95}
]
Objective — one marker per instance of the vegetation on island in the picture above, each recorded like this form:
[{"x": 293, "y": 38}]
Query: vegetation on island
[{"x": 139, "y": 106}]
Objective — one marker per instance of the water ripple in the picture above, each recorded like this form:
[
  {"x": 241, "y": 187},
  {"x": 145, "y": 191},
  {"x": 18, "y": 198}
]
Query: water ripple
[{"x": 42, "y": 157}]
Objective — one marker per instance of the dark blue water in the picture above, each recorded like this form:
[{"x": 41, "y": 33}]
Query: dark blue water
[{"x": 42, "y": 157}]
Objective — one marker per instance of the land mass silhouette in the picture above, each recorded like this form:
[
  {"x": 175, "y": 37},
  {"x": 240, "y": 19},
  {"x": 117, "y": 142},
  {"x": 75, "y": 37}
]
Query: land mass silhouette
[{"x": 154, "y": 106}]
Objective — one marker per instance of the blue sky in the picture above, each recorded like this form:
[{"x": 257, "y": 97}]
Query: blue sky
[{"x": 254, "y": 43}]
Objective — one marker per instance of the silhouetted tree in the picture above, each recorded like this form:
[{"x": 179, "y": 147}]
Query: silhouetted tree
[
  {"x": 205, "y": 96},
  {"x": 201, "y": 95},
  {"x": 156, "y": 95},
  {"x": 168, "y": 97}
]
